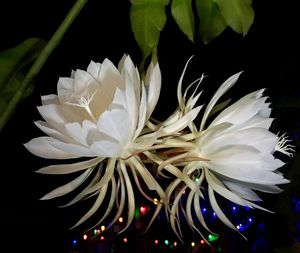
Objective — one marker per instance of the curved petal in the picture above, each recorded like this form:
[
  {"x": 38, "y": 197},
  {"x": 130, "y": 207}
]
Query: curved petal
[
  {"x": 41, "y": 147},
  {"x": 153, "y": 86}
]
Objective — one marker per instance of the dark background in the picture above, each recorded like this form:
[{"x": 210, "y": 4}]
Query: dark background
[{"x": 268, "y": 54}]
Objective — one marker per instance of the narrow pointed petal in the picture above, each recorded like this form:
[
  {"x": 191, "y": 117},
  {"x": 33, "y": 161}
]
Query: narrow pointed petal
[
  {"x": 69, "y": 187},
  {"x": 70, "y": 168}
]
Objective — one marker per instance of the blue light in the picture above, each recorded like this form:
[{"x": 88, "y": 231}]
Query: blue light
[
  {"x": 74, "y": 242},
  {"x": 204, "y": 210},
  {"x": 297, "y": 207},
  {"x": 234, "y": 209},
  {"x": 214, "y": 215},
  {"x": 250, "y": 220}
]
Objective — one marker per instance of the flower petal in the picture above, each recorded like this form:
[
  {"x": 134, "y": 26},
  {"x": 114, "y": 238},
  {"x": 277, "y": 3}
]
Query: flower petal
[{"x": 41, "y": 147}]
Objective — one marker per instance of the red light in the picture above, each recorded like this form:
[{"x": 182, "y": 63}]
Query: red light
[
  {"x": 125, "y": 240},
  {"x": 155, "y": 242},
  {"x": 202, "y": 241},
  {"x": 143, "y": 210},
  {"x": 175, "y": 244},
  {"x": 102, "y": 238}
]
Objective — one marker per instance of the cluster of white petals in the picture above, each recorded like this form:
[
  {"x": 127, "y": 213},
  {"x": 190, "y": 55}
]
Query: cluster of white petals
[{"x": 103, "y": 115}]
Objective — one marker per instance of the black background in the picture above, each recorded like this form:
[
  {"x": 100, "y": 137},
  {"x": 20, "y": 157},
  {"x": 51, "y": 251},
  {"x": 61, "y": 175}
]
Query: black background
[{"x": 268, "y": 54}]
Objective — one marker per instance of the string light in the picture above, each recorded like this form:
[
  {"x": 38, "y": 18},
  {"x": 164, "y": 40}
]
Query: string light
[
  {"x": 193, "y": 244},
  {"x": 85, "y": 237},
  {"x": 175, "y": 244},
  {"x": 102, "y": 238},
  {"x": 102, "y": 228},
  {"x": 120, "y": 219},
  {"x": 143, "y": 210},
  {"x": 156, "y": 242},
  {"x": 125, "y": 240},
  {"x": 74, "y": 242},
  {"x": 167, "y": 242},
  {"x": 212, "y": 238}
]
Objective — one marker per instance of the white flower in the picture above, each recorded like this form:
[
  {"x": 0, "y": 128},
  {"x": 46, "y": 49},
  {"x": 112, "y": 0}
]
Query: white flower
[
  {"x": 234, "y": 154},
  {"x": 101, "y": 114}
]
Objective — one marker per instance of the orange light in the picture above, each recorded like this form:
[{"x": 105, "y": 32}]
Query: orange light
[
  {"x": 84, "y": 237},
  {"x": 120, "y": 219}
]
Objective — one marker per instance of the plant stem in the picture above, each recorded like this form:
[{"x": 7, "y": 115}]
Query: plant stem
[{"x": 39, "y": 62}]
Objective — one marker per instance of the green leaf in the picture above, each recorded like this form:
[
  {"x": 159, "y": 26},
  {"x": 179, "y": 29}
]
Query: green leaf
[
  {"x": 238, "y": 14},
  {"x": 212, "y": 22},
  {"x": 148, "y": 18},
  {"x": 14, "y": 63},
  {"x": 183, "y": 14}
]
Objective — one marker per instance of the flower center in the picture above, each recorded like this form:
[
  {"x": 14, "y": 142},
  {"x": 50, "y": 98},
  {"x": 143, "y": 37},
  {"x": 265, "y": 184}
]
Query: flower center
[{"x": 84, "y": 102}]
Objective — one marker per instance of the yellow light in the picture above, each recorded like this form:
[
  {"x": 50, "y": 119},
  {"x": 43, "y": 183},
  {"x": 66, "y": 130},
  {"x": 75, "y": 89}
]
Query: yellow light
[
  {"x": 102, "y": 228},
  {"x": 193, "y": 244},
  {"x": 155, "y": 201},
  {"x": 120, "y": 219}
]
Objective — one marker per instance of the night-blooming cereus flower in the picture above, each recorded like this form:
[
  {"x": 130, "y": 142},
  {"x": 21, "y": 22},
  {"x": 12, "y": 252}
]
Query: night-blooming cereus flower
[
  {"x": 234, "y": 153},
  {"x": 100, "y": 115}
]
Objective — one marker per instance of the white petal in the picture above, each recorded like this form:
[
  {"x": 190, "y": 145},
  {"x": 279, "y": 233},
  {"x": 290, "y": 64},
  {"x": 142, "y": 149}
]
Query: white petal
[
  {"x": 70, "y": 168},
  {"x": 242, "y": 190},
  {"x": 82, "y": 80},
  {"x": 94, "y": 69},
  {"x": 142, "y": 113},
  {"x": 40, "y": 147},
  {"x": 153, "y": 85},
  {"x": 182, "y": 122},
  {"x": 106, "y": 149},
  {"x": 65, "y": 189},
  {"x": 109, "y": 75},
  {"x": 49, "y": 99},
  {"x": 244, "y": 163},
  {"x": 60, "y": 115},
  {"x": 79, "y": 133},
  {"x": 222, "y": 89},
  {"x": 52, "y": 132},
  {"x": 65, "y": 87},
  {"x": 259, "y": 138},
  {"x": 242, "y": 110},
  {"x": 116, "y": 123},
  {"x": 71, "y": 148}
]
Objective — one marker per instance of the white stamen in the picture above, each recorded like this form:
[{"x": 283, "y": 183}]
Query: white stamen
[
  {"x": 283, "y": 147},
  {"x": 85, "y": 103}
]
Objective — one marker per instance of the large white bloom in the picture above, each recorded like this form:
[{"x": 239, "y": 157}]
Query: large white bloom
[
  {"x": 234, "y": 154},
  {"x": 101, "y": 114}
]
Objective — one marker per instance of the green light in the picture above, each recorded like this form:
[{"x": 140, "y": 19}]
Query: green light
[
  {"x": 167, "y": 242},
  {"x": 212, "y": 238},
  {"x": 219, "y": 249},
  {"x": 137, "y": 213},
  {"x": 95, "y": 231}
]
